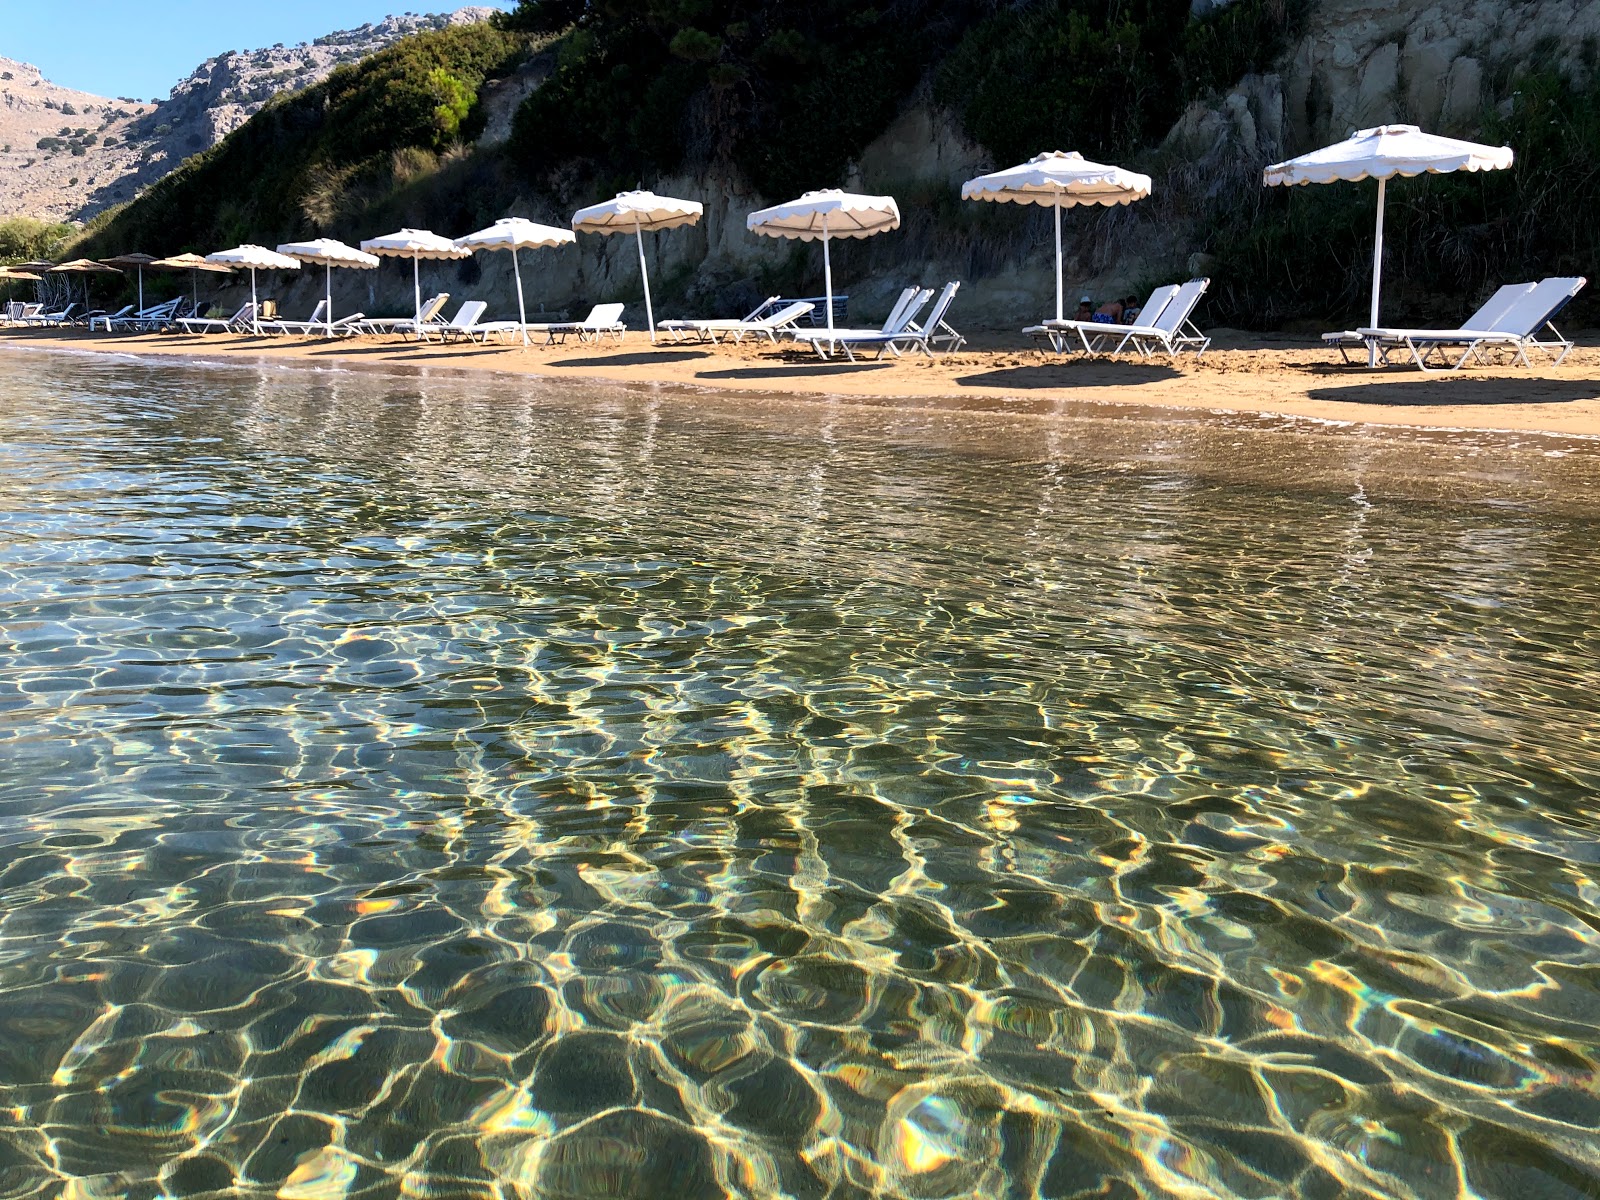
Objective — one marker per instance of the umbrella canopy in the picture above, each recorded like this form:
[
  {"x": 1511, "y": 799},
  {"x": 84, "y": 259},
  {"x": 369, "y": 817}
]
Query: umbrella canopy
[
  {"x": 1060, "y": 180},
  {"x": 254, "y": 258},
  {"x": 84, "y": 266},
  {"x": 14, "y": 273},
  {"x": 415, "y": 244},
  {"x": 1381, "y": 154},
  {"x": 193, "y": 264},
  {"x": 138, "y": 262},
  {"x": 329, "y": 253},
  {"x": 826, "y": 215},
  {"x": 638, "y": 213},
  {"x": 38, "y": 265},
  {"x": 513, "y": 234}
]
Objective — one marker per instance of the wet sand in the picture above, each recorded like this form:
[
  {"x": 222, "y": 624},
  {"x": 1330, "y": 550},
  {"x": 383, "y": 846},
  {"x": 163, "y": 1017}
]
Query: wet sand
[{"x": 1245, "y": 373}]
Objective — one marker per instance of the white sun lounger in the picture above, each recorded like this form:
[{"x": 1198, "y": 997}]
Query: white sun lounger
[
  {"x": 1055, "y": 332},
  {"x": 899, "y": 320},
  {"x": 17, "y": 312},
  {"x": 240, "y": 321},
  {"x": 603, "y": 319},
  {"x": 1172, "y": 330},
  {"x": 1492, "y": 311},
  {"x": 280, "y": 325},
  {"x": 404, "y": 325},
  {"x": 1517, "y": 329},
  {"x": 460, "y": 325},
  {"x": 779, "y": 321},
  {"x": 106, "y": 318},
  {"x": 128, "y": 320},
  {"x": 912, "y": 336},
  {"x": 62, "y": 316}
]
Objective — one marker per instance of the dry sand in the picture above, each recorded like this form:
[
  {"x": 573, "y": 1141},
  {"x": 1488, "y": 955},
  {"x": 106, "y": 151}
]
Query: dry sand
[{"x": 1247, "y": 373}]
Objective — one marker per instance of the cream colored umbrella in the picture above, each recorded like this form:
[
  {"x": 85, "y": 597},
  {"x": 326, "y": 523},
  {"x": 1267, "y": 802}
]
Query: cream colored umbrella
[
  {"x": 1060, "y": 180},
  {"x": 329, "y": 253},
  {"x": 415, "y": 244},
  {"x": 825, "y": 215},
  {"x": 193, "y": 264},
  {"x": 14, "y": 273},
  {"x": 138, "y": 262},
  {"x": 638, "y": 213},
  {"x": 1381, "y": 153},
  {"x": 513, "y": 234},
  {"x": 254, "y": 258}
]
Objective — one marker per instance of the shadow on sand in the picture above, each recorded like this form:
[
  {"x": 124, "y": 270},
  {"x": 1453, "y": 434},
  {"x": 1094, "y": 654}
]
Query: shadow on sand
[
  {"x": 1071, "y": 374},
  {"x": 801, "y": 370},
  {"x": 1420, "y": 391},
  {"x": 649, "y": 358}
]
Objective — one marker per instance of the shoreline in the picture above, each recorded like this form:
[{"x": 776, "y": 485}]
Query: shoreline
[{"x": 1243, "y": 375}]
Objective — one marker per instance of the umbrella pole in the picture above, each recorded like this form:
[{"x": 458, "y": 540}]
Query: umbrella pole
[
  {"x": 141, "y": 288},
  {"x": 644, "y": 273},
  {"x": 522, "y": 309},
  {"x": 194, "y": 290},
  {"x": 416, "y": 292},
  {"x": 1059, "y": 314},
  {"x": 827, "y": 273},
  {"x": 327, "y": 312},
  {"x": 1377, "y": 276},
  {"x": 255, "y": 307}
]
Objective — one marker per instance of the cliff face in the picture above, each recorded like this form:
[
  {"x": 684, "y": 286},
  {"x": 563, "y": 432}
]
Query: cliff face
[{"x": 124, "y": 145}]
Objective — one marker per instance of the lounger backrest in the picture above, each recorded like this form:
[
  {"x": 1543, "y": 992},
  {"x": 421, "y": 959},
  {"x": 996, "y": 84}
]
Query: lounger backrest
[
  {"x": 1179, "y": 307},
  {"x": 1539, "y": 304},
  {"x": 318, "y": 312},
  {"x": 430, "y": 310},
  {"x": 785, "y": 315},
  {"x": 941, "y": 306},
  {"x": 908, "y": 316},
  {"x": 755, "y": 313},
  {"x": 1497, "y": 306},
  {"x": 894, "y": 322},
  {"x": 1157, "y": 304},
  {"x": 603, "y": 316},
  {"x": 467, "y": 315}
]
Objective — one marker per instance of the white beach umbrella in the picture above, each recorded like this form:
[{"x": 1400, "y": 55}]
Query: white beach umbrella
[
  {"x": 1061, "y": 181},
  {"x": 329, "y": 254},
  {"x": 827, "y": 214},
  {"x": 1381, "y": 154},
  {"x": 254, "y": 258},
  {"x": 638, "y": 213},
  {"x": 513, "y": 234},
  {"x": 415, "y": 244}
]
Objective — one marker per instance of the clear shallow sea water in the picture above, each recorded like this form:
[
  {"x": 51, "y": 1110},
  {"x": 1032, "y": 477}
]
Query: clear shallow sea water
[{"x": 433, "y": 787}]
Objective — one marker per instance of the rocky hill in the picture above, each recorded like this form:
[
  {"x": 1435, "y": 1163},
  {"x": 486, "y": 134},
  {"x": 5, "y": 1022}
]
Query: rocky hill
[{"x": 66, "y": 155}]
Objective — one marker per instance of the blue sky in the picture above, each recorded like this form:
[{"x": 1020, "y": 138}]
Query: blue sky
[{"x": 139, "y": 49}]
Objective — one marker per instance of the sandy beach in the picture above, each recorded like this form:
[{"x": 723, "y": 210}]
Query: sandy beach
[{"x": 1285, "y": 375}]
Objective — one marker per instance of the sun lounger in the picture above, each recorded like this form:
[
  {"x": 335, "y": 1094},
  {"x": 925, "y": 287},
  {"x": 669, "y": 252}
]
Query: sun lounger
[
  {"x": 107, "y": 318},
  {"x": 18, "y": 312},
  {"x": 912, "y": 335},
  {"x": 899, "y": 320},
  {"x": 62, "y": 316},
  {"x": 1517, "y": 329},
  {"x": 1493, "y": 310},
  {"x": 240, "y": 321},
  {"x": 603, "y": 319},
  {"x": 404, "y": 325},
  {"x": 1171, "y": 331},
  {"x": 128, "y": 319},
  {"x": 1058, "y": 332},
  {"x": 458, "y": 326},
  {"x": 280, "y": 325},
  {"x": 765, "y": 321}
]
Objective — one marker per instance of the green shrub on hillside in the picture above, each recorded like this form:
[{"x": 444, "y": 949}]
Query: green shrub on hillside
[
  {"x": 310, "y": 162},
  {"x": 1100, "y": 76},
  {"x": 789, "y": 93},
  {"x": 23, "y": 239}
]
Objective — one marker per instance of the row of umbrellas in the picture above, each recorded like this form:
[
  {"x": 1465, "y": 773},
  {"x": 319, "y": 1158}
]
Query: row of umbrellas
[{"x": 1060, "y": 180}]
